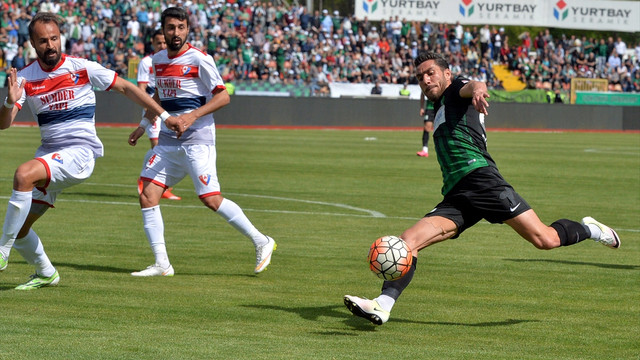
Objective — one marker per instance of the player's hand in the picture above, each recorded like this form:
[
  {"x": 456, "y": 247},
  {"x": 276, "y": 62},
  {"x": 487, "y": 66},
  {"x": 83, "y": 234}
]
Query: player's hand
[
  {"x": 15, "y": 89},
  {"x": 185, "y": 121},
  {"x": 421, "y": 112},
  {"x": 175, "y": 123},
  {"x": 135, "y": 135},
  {"x": 479, "y": 103}
]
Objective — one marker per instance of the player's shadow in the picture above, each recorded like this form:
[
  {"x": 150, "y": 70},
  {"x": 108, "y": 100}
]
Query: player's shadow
[
  {"x": 314, "y": 313},
  {"x": 569, "y": 262},
  {"x": 91, "y": 267},
  {"x": 119, "y": 270}
]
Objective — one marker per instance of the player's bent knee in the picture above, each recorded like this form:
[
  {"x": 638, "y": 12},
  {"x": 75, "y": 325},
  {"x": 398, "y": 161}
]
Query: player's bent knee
[{"x": 543, "y": 245}]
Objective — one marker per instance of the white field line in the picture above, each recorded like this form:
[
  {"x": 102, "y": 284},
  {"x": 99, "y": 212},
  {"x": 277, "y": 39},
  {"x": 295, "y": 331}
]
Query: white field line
[{"x": 368, "y": 213}]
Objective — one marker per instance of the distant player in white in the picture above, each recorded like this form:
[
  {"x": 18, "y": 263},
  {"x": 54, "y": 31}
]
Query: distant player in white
[
  {"x": 147, "y": 82},
  {"x": 59, "y": 90},
  {"x": 188, "y": 84}
]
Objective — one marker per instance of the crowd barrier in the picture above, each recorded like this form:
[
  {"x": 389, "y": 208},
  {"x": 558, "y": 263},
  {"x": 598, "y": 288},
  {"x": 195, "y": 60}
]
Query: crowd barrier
[{"x": 375, "y": 112}]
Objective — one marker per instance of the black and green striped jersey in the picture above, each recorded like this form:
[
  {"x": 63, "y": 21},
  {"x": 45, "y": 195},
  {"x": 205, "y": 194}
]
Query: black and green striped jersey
[
  {"x": 459, "y": 136},
  {"x": 428, "y": 104}
]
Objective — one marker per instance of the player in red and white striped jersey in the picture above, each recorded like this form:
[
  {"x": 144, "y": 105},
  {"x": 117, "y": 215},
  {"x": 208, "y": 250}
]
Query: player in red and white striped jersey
[
  {"x": 147, "y": 82},
  {"x": 59, "y": 90},
  {"x": 188, "y": 84}
]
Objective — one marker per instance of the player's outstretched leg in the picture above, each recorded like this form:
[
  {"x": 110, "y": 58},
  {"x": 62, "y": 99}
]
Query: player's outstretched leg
[
  {"x": 263, "y": 255},
  {"x": 368, "y": 309},
  {"x": 602, "y": 233},
  {"x": 264, "y": 245}
]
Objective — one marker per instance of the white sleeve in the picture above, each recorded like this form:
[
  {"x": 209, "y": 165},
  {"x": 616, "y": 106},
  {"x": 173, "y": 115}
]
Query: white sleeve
[
  {"x": 99, "y": 76},
  {"x": 144, "y": 68},
  {"x": 209, "y": 73}
]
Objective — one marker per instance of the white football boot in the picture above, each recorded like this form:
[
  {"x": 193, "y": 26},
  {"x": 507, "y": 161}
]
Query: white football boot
[
  {"x": 154, "y": 270},
  {"x": 608, "y": 236},
  {"x": 368, "y": 309},
  {"x": 263, "y": 255}
]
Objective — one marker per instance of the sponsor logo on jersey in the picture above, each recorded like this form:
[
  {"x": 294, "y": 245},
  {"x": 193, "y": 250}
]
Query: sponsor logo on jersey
[
  {"x": 57, "y": 157},
  {"x": 185, "y": 70},
  {"x": 204, "y": 178}
]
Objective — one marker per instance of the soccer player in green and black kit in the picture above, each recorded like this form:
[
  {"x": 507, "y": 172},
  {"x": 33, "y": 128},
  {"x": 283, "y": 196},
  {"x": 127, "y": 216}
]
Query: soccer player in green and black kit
[
  {"x": 473, "y": 187},
  {"x": 428, "y": 113}
]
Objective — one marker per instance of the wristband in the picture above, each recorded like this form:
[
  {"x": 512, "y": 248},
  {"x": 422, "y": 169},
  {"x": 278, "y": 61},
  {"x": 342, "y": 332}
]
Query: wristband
[
  {"x": 144, "y": 123},
  {"x": 164, "y": 116},
  {"x": 7, "y": 105}
]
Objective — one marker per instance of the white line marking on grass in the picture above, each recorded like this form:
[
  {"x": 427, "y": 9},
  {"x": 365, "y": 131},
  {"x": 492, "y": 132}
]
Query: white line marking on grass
[
  {"x": 622, "y": 151},
  {"x": 271, "y": 211},
  {"x": 371, "y": 213}
]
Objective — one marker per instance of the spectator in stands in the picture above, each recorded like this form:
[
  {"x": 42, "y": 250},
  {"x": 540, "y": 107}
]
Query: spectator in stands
[
  {"x": 621, "y": 48},
  {"x": 288, "y": 39},
  {"x": 19, "y": 60},
  {"x": 614, "y": 60},
  {"x": 376, "y": 89},
  {"x": 3, "y": 63}
]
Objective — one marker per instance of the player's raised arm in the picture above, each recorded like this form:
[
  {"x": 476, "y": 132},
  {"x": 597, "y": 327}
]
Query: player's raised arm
[
  {"x": 8, "y": 111},
  {"x": 477, "y": 91},
  {"x": 141, "y": 98}
]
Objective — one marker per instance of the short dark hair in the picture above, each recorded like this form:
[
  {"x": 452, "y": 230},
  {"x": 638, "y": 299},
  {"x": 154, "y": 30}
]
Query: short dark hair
[
  {"x": 156, "y": 33},
  {"x": 430, "y": 55},
  {"x": 45, "y": 17},
  {"x": 174, "y": 12}
]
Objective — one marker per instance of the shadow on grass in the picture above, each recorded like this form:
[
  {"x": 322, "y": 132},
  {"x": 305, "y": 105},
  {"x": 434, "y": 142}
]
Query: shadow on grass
[
  {"x": 313, "y": 313},
  {"x": 568, "y": 262},
  {"x": 111, "y": 269},
  {"x": 90, "y": 267}
]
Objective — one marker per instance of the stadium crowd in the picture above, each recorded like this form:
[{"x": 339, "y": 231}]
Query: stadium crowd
[{"x": 279, "y": 43}]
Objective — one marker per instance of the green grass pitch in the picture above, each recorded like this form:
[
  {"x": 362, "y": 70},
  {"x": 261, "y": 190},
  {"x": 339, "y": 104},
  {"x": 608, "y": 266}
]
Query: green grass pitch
[{"x": 325, "y": 195}]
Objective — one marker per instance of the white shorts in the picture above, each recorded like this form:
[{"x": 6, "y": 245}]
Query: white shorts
[
  {"x": 170, "y": 164},
  {"x": 153, "y": 130},
  {"x": 65, "y": 168}
]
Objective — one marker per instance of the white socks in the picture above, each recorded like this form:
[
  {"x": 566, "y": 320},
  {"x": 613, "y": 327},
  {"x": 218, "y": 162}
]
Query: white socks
[
  {"x": 595, "y": 231},
  {"x": 154, "y": 229},
  {"x": 386, "y": 302},
  {"x": 425, "y": 149},
  {"x": 31, "y": 249},
  {"x": 231, "y": 212},
  {"x": 17, "y": 212}
]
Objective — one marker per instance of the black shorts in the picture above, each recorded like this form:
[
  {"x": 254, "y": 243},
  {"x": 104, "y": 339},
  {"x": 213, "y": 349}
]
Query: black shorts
[
  {"x": 482, "y": 194},
  {"x": 429, "y": 115}
]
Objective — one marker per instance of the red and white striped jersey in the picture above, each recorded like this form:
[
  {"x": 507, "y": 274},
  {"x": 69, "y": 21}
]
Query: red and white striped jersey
[
  {"x": 184, "y": 83},
  {"x": 146, "y": 75},
  {"x": 63, "y": 101}
]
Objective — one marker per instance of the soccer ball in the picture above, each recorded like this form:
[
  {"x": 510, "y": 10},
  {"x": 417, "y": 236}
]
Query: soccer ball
[{"x": 390, "y": 258}]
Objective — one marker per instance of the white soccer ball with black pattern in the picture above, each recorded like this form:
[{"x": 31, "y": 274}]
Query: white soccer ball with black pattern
[{"x": 390, "y": 258}]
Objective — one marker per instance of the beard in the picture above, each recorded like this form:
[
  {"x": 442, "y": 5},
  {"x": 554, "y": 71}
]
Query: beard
[
  {"x": 49, "y": 57},
  {"x": 175, "y": 46}
]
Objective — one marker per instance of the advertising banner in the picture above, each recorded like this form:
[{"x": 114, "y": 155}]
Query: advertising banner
[{"x": 569, "y": 14}]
